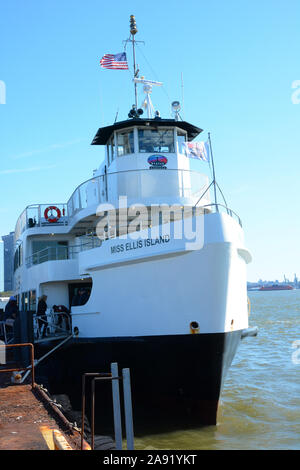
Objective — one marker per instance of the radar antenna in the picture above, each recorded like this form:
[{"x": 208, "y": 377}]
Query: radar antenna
[{"x": 147, "y": 103}]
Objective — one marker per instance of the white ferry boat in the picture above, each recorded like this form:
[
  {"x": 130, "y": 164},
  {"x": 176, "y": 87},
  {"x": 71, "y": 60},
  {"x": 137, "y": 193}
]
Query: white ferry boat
[{"x": 162, "y": 262}]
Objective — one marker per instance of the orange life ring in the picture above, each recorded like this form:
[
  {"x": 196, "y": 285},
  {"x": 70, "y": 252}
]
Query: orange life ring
[{"x": 52, "y": 219}]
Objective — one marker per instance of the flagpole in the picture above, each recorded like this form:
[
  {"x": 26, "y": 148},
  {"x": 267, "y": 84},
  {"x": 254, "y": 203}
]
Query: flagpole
[{"x": 214, "y": 174}]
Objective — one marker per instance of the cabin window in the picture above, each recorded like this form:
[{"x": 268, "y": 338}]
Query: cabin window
[
  {"x": 25, "y": 301},
  {"x": 125, "y": 143},
  {"x": 18, "y": 257},
  {"x": 49, "y": 250},
  {"x": 156, "y": 140},
  {"x": 181, "y": 139}
]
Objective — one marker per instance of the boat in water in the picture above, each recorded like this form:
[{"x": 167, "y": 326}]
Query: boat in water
[
  {"x": 148, "y": 261},
  {"x": 276, "y": 287}
]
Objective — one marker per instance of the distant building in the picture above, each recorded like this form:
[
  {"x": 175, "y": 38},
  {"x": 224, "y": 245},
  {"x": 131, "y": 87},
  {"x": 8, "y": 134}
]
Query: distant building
[{"x": 8, "y": 255}]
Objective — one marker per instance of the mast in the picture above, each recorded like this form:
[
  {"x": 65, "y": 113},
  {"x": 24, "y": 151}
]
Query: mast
[
  {"x": 133, "y": 31},
  {"x": 147, "y": 83}
]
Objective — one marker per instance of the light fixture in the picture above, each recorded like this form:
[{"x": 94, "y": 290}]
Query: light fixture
[
  {"x": 176, "y": 108},
  {"x": 176, "y": 105}
]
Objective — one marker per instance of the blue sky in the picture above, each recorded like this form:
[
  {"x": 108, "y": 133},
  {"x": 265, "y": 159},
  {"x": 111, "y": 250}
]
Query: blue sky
[{"x": 238, "y": 60}]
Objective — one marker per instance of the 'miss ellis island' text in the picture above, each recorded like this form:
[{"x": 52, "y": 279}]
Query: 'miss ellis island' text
[{"x": 134, "y": 245}]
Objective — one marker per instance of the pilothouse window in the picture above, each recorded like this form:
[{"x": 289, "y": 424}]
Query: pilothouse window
[
  {"x": 125, "y": 143},
  {"x": 181, "y": 139},
  {"x": 156, "y": 140},
  {"x": 110, "y": 150}
]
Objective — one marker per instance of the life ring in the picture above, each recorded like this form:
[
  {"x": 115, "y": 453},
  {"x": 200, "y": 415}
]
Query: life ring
[{"x": 52, "y": 219}]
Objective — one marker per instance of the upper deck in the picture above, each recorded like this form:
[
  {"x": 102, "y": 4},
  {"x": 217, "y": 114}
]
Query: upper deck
[
  {"x": 137, "y": 186},
  {"x": 146, "y": 163}
]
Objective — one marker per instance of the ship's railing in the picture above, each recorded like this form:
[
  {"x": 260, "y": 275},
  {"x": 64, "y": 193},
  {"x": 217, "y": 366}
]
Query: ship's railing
[
  {"x": 90, "y": 192},
  {"x": 138, "y": 185},
  {"x": 134, "y": 184},
  {"x": 35, "y": 215},
  {"x": 51, "y": 326},
  {"x": 217, "y": 207},
  {"x": 58, "y": 253},
  {"x": 222, "y": 208}
]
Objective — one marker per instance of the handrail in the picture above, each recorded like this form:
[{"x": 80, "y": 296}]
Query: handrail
[
  {"x": 78, "y": 201},
  {"x": 66, "y": 205},
  {"x": 125, "y": 171},
  {"x": 229, "y": 211},
  {"x": 68, "y": 251},
  {"x": 51, "y": 321}
]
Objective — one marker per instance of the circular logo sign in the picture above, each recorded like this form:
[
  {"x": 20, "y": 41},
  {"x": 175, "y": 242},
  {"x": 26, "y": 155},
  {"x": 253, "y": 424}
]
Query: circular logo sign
[{"x": 157, "y": 161}]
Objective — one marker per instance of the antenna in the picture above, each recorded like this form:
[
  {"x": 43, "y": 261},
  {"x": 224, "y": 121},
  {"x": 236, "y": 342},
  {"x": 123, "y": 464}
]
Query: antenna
[{"x": 182, "y": 94}]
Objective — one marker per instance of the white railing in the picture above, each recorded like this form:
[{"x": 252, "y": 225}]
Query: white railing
[
  {"x": 52, "y": 325},
  {"x": 58, "y": 253},
  {"x": 137, "y": 185},
  {"x": 35, "y": 215}
]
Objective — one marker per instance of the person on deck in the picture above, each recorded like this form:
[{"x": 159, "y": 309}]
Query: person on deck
[
  {"x": 81, "y": 298},
  {"x": 11, "y": 309},
  {"x": 41, "y": 313}
]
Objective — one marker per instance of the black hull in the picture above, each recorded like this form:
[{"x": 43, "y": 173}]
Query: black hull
[{"x": 174, "y": 379}]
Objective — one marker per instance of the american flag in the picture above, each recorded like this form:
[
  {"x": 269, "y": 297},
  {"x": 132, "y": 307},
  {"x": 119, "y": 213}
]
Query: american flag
[{"x": 114, "y": 61}]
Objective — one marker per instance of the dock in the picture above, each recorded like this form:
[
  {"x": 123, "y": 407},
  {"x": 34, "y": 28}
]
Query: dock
[{"x": 30, "y": 420}]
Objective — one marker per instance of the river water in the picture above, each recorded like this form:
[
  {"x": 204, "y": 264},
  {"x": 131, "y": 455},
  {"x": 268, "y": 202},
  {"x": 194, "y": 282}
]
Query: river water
[{"x": 260, "y": 402}]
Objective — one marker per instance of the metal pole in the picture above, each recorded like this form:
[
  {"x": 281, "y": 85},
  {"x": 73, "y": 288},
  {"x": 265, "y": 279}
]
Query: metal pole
[
  {"x": 98, "y": 376},
  {"x": 134, "y": 70},
  {"x": 128, "y": 409},
  {"x": 214, "y": 175},
  {"x": 82, "y": 409},
  {"x": 32, "y": 366},
  {"x": 133, "y": 31},
  {"x": 93, "y": 415},
  {"x": 116, "y": 406}
]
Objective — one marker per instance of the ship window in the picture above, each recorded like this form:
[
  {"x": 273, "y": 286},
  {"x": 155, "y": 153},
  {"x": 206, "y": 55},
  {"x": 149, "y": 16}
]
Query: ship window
[
  {"x": 125, "y": 143},
  {"x": 49, "y": 250},
  {"x": 109, "y": 153},
  {"x": 25, "y": 301},
  {"x": 156, "y": 140},
  {"x": 32, "y": 300},
  {"x": 18, "y": 257},
  {"x": 110, "y": 150},
  {"x": 181, "y": 139}
]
